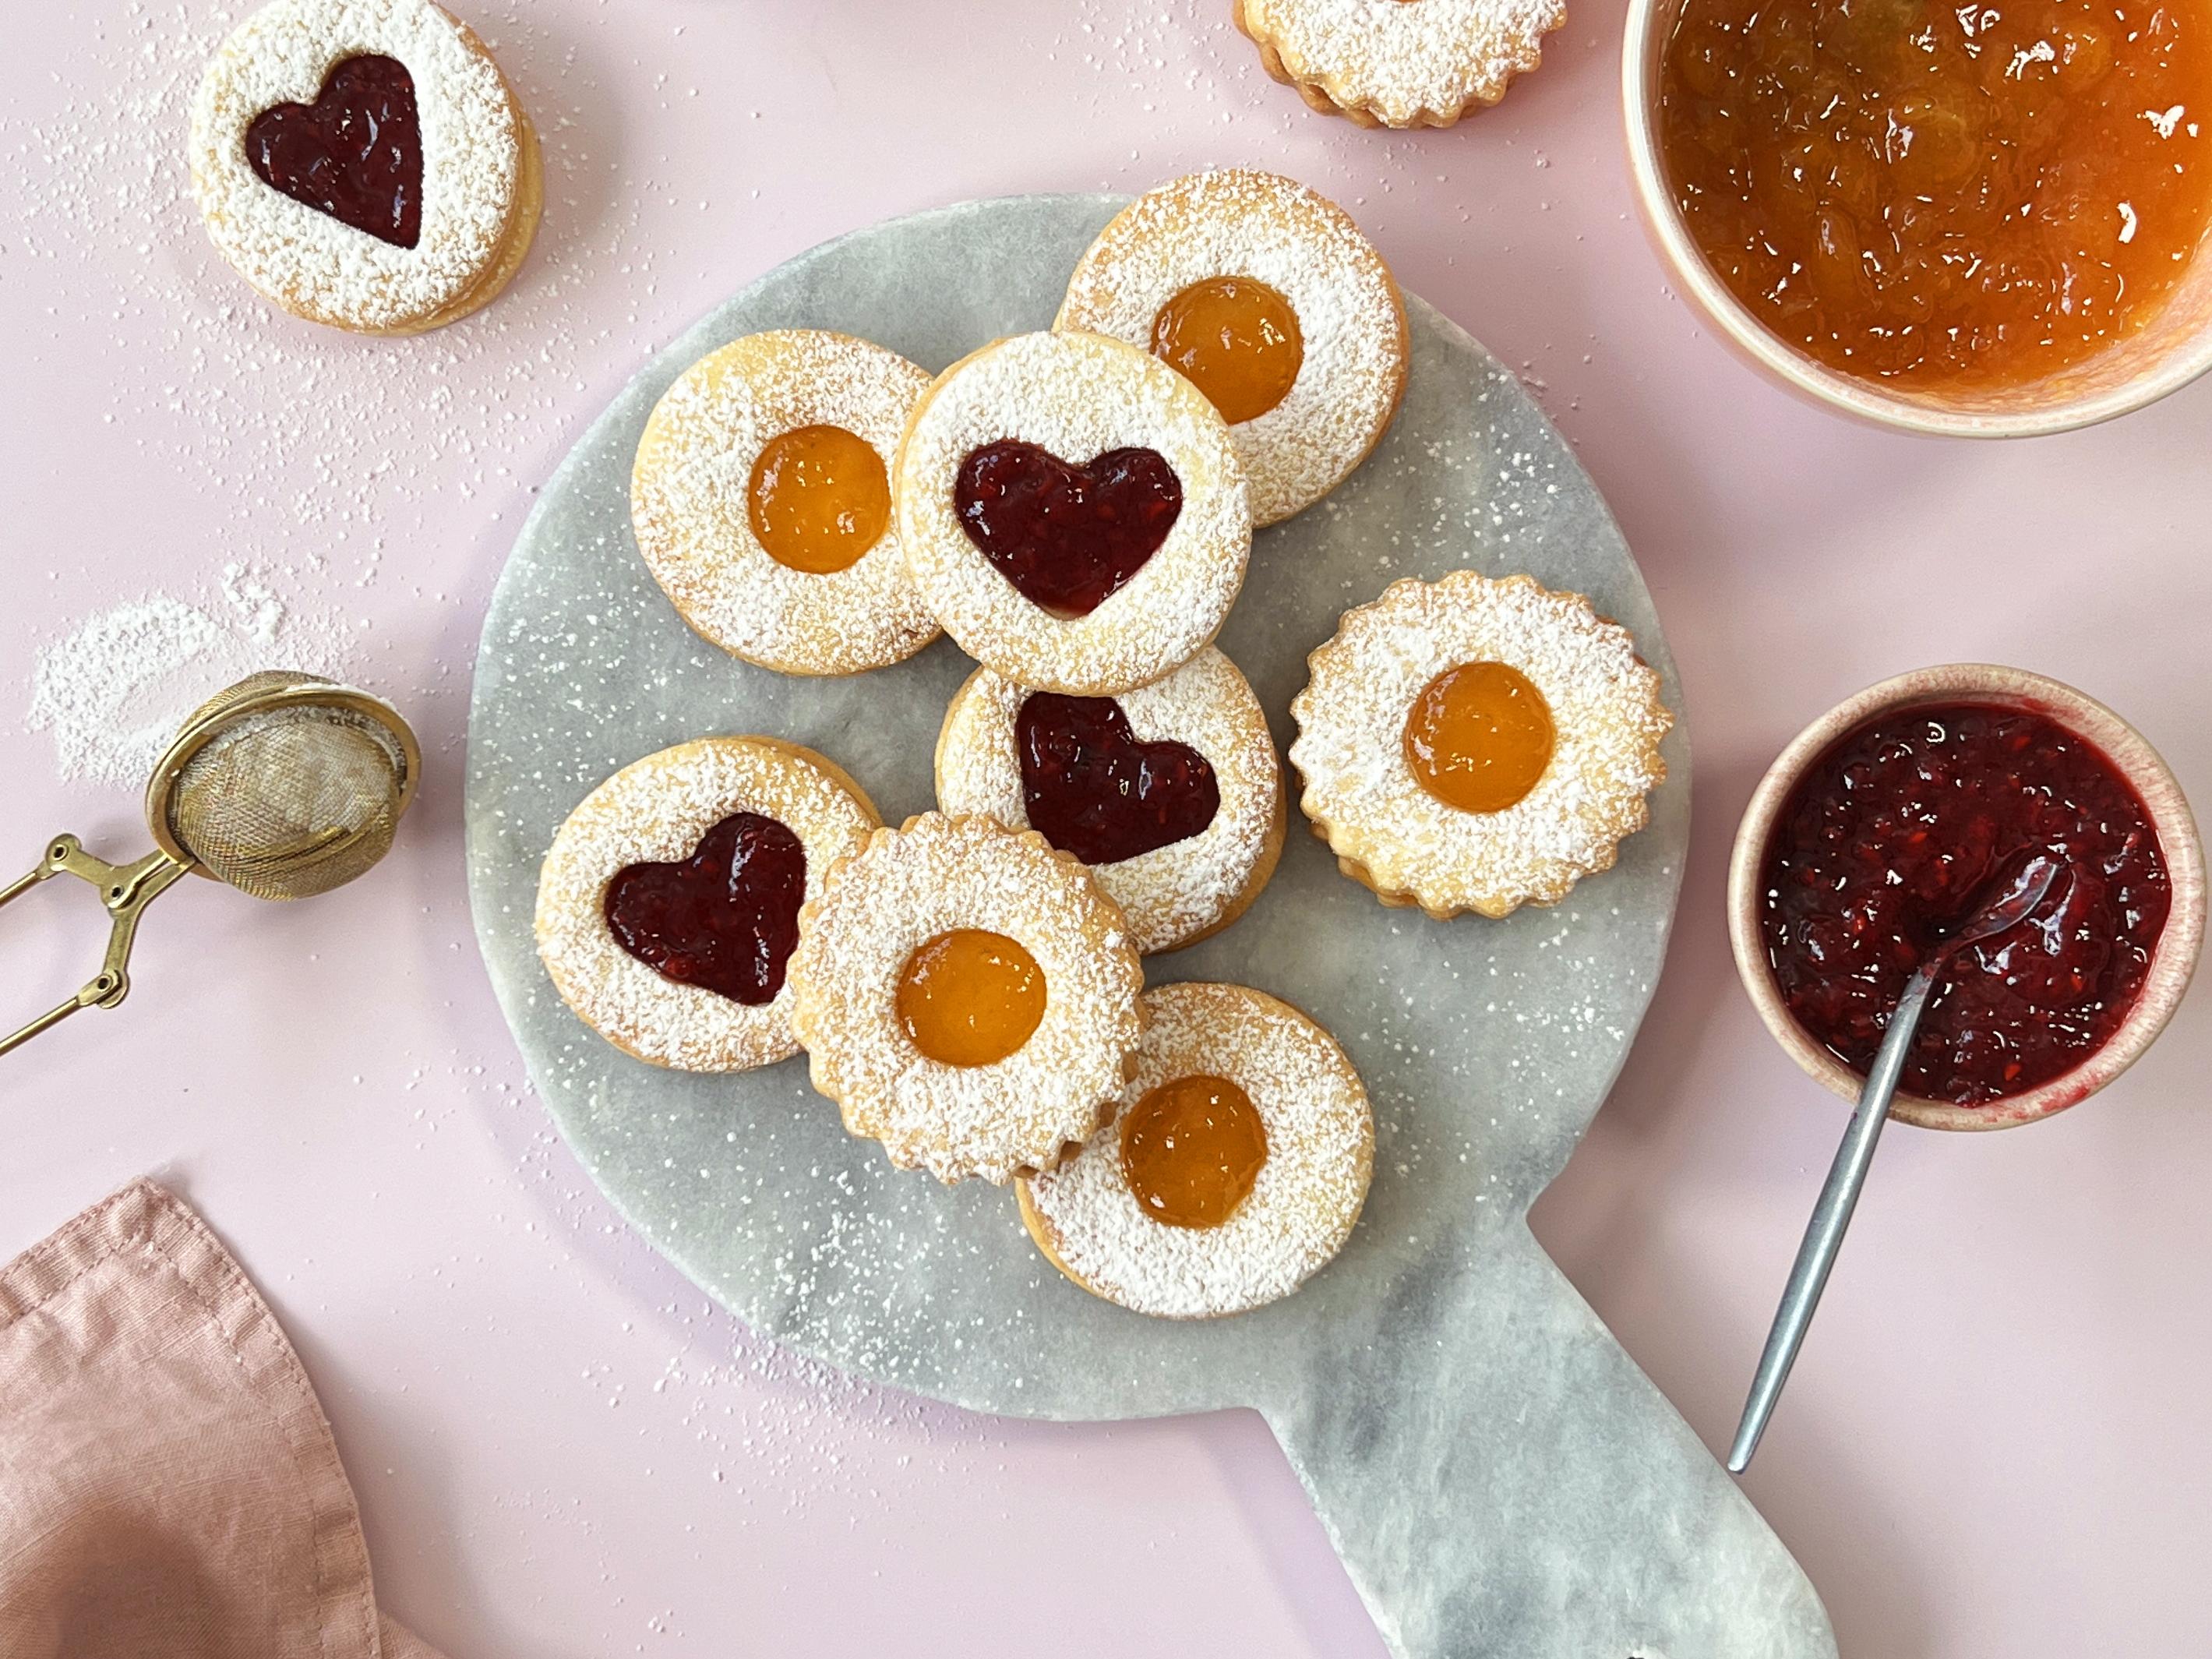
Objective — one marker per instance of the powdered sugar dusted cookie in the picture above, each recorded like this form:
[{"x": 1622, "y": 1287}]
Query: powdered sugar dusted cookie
[
  {"x": 364, "y": 164},
  {"x": 668, "y": 906},
  {"x": 1398, "y": 62},
  {"x": 1235, "y": 1167},
  {"x": 1074, "y": 512},
  {"x": 762, "y": 502},
  {"x": 1171, "y": 793},
  {"x": 1477, "y": 744},
  {"x": 967, "y": 996},
  {"x": 1267, "y": 297}
]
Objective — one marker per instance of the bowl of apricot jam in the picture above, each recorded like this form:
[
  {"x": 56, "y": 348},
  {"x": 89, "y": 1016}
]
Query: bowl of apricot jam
[
  {"x": 1893, "y": 818},
  {"x": 1988, "y": 220}
]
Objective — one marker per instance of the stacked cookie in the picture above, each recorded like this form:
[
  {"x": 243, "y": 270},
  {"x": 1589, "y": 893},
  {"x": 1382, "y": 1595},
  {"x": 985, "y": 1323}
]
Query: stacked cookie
[
  {"x": 364, "y": 163},
  {"x": 1075, "y": 508}
]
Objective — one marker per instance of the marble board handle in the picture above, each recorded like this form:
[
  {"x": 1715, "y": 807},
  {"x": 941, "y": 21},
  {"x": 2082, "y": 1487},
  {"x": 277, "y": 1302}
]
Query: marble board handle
[{"x": 1488, "y": 1388}]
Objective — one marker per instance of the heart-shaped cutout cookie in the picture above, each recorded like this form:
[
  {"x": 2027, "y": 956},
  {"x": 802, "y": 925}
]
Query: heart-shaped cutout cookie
[
  {"x": 355, "y": 153},
  {"x": 1066, "y": 535},
  {"x": 1092, "y": 789},
  {"x": 726, "y": 919}
]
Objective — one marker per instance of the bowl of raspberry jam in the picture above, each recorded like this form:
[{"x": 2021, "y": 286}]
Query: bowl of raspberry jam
[
  {"x": 1992, "y": 221},
  {"x": 1894, "y": 817}
]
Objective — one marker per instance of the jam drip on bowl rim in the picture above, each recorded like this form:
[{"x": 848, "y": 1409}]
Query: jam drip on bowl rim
[
  {"x": 1067, "y": 537},
  {"x": 354, "y": 154},
  {"x": 1894, "y": 837},
  {"x": 1092, "y": 789},
  {"x": 726, "y": 919}
]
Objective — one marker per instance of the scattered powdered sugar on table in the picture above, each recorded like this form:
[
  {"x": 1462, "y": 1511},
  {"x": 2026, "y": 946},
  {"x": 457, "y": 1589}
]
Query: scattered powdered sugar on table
[{"x": 114, "y": 690}]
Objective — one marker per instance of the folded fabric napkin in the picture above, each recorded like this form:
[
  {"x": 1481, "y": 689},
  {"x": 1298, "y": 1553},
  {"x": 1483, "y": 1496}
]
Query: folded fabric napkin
[{"x": 168, "y": 1486}]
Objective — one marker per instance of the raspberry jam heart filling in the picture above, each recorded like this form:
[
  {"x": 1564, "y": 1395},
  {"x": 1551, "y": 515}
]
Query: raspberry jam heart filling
[
  {"x": 1092, "y": 789},
  {"x": 355, "y": 153},
  {"x": 726, "y": 919},
  {"x": 1067, "y": 537}
]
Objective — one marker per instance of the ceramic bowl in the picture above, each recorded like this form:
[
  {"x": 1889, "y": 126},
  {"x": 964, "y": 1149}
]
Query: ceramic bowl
[
  {"x": 2172, "y": 965},
  {"x": 2173, "y": 350}
]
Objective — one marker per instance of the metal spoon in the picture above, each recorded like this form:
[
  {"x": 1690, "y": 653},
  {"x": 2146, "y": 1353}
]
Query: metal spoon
[{"x": 1824, "y": 1235}]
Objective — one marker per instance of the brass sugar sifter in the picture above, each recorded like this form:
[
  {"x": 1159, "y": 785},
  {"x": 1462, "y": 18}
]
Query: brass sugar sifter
[{"x": 284, "y": 786}]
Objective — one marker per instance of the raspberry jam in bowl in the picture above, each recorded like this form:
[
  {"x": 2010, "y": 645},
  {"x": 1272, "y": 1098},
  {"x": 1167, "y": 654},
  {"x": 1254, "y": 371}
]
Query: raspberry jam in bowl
[
  {"x": 1894, "y": 817},
  {"x": 1988, "y": 220}
]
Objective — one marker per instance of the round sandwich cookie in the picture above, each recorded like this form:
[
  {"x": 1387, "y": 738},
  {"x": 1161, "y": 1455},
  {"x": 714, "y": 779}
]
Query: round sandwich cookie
[
  {"x": 1236, "y": 1164},
  {"x": 1265, "y": 295},
  {"x": 1074, "y": 512},
  {"x": 1477, "y": 744},
  {"x": 364, "y": 163},
  {"x": 1398, "y": 62},
  {"x": 668, "y": 906},
  {"x": 1170, "y": 793},
  {"x": 967, "y": 996},
  {"x": 761, "y": 500}
]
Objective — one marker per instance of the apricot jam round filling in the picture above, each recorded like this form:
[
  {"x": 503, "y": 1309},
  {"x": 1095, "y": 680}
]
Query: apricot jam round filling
[
  {"x": 1235, "y": 339},
  {"x": 819, "y": 499},
  {"x": 1479, "y": 736},
  {"x": 970, "y": 997},
  {"x": 1942, "y": 197},
  {"x": 1900, "y": 833},
  {"x": 1191, "y": 1150}
]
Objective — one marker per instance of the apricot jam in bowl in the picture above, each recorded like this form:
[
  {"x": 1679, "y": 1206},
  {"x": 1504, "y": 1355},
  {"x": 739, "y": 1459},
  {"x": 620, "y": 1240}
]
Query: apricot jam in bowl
[
  {"x": 1894, "y": 817},
  {"x": 1989, "y": 220}
]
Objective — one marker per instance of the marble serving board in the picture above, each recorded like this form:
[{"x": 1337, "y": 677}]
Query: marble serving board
[{"x": 1497, "y": 1475}]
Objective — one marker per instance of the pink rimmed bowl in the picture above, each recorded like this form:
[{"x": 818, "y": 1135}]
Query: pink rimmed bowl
[
  {"x": 2172, "y": 350},
  {"x": 2172, "y": 964}
]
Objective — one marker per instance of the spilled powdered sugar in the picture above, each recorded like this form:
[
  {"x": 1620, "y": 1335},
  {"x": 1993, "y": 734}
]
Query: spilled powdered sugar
[
  {"x": 113, "y": 690},
  {"x": 1321, "y": 1149},
  {"x": 1353, "y": 325}
]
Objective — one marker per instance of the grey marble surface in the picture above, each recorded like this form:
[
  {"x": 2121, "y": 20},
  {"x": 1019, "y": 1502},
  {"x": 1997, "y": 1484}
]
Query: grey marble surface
[{"x": 1498, "y": 1476}]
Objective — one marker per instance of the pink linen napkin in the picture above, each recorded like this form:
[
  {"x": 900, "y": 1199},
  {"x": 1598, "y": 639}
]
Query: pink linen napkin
[{"x": 168, "y": 1486}]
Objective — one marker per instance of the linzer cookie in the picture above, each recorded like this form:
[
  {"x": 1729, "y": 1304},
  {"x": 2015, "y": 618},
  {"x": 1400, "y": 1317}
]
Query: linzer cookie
[
  {"x": 1171, "y": 793},
  {"x": 1398, "y": 62},
  {"x": 967, "y": 996},
  {"x": 668, "y": 908},
  {"x": 1267, "y": 296},
  {"x": 1472, "y": 745},
  {"x": 364, "y": 163},
  {"x": 1236, "y": 1165},
  {"x": 761, "y": 500},
  {"x": 1074, "y": 512}
]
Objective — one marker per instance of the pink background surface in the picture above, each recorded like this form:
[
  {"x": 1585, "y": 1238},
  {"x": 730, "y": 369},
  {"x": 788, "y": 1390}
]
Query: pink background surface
[{"x": 1996, "y": 1443}]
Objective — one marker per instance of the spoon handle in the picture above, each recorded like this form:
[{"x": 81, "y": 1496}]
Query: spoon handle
[{"x": 1824, "y": 1234}]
